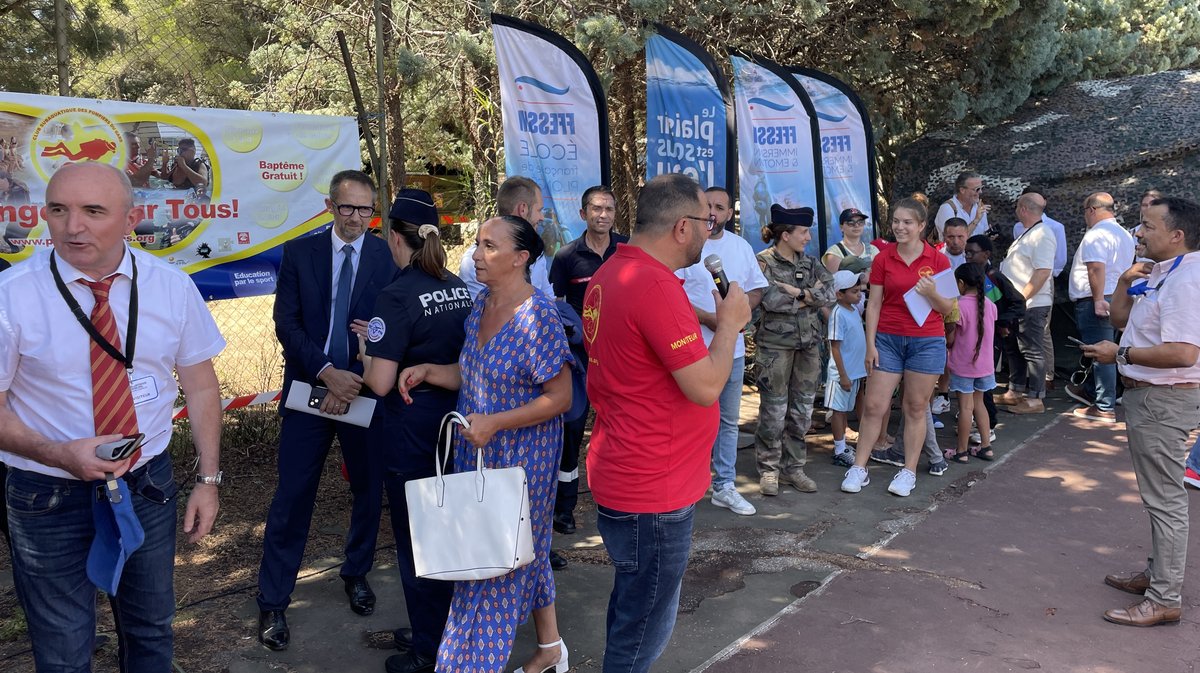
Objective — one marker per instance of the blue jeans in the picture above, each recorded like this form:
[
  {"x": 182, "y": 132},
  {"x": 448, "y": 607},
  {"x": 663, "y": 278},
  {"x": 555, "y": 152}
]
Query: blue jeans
[
  {"x": 649, "y": 553},
  {"x": 1093, "y": 328},
  {"x": 724, "y": 450},
  {"x": 1193, "y": 459},
  {"x": 52, "y": 530}
]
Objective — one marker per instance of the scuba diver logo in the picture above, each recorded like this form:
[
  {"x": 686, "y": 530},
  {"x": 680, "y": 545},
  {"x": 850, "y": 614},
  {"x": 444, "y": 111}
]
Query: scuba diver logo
[
  {"x": 591, "y": 313},
  {"x": 74, "y": 134}
]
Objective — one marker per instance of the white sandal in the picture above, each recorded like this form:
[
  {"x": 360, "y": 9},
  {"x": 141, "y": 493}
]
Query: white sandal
[{"x": 560, "y": 667}]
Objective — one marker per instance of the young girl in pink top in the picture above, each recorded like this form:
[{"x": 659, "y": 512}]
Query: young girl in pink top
[{"x": 971, "y": 361}]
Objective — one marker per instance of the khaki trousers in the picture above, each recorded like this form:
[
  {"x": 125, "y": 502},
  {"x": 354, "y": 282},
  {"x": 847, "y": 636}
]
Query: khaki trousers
[{"x": 1159, "y": 419}]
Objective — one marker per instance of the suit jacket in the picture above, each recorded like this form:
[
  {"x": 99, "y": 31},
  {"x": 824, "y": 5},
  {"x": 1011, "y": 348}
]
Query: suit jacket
[{"x": 304, "y": 301}]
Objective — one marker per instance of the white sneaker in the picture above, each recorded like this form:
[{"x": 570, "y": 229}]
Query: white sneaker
[
  {"x": 856, "y": 478},
  {"x": 975, "y": 437},
  {"x": 730, "y": 499},
  {"x": 941, "y": 404},
  {"x": 903, "y": 483}
]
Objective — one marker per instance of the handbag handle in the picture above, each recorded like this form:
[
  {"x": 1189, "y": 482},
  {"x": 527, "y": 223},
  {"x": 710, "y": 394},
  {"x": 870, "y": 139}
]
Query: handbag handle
[{"x": 442, "y": 456}]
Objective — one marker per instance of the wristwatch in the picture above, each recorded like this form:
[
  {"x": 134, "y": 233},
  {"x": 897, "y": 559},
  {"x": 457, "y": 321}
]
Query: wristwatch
[
  {"x": 215, "y": 479},
  {"x": 1123, "y": 356}
]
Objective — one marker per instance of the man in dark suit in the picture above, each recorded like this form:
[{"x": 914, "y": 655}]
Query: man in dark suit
[{"x": 326, "y": 281}]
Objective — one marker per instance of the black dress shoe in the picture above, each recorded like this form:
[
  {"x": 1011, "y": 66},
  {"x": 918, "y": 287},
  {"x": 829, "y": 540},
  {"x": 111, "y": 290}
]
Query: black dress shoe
[
  {"x": 409, "y": 662},
  {"x": 273, "y": 630},
  {"x": 362, "y": 599},
  {"x": 557, "y": 562},
  {"x": 564, "y": 523},
  {"x": 403, "y": 639}
]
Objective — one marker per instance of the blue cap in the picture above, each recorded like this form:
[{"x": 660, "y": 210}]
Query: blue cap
[
  {"x": 118, "y": 535},
  {"x": 414, "y": 206}
]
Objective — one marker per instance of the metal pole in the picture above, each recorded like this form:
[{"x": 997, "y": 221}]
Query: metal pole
[
  {"x": 60, "y": 44},
  {"x": 384, "y": 188}
]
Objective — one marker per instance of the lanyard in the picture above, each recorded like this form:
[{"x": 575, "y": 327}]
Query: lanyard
[
  {"x": 125, "y": 358},
  {"x": 1144, "y": 287},
  {"x": 1027, "y": 230}
]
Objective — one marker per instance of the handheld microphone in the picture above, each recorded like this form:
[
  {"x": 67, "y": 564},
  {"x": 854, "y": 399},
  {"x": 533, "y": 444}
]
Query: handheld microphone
[{"x": 714, "y": 266}]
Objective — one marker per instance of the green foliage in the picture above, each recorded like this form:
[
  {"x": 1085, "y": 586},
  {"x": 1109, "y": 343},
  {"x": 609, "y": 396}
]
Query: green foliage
[{"x": 919, "y": 65}]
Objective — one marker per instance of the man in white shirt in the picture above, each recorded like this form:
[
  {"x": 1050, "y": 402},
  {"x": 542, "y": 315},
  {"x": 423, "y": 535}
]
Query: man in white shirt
[
  {"x": 1105, "y": 252},
  {"x": 92, "y": 338},
  {"x": 1060, "y": 262},
  {"x": 1155, "y": 304},
  {"x": 737, "y": 258},
  {"x": 955, "y": 236},
  {"x": 1028, "y": 265},
  {"x": 966, "y": 203},
  {"x": 520, "y": 196}
]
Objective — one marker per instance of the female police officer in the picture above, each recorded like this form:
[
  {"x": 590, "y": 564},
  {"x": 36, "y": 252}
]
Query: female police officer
[{"x": 418, "y": 319}]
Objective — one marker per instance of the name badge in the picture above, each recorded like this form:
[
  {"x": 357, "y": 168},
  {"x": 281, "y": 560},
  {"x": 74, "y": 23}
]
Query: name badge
[{"x": 144, "y": 390}]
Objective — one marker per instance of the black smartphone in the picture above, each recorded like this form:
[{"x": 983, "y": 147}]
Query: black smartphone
[
  {"x": 120, "y": 449},
  {"x": 316, "y": 397},
  {"x": 1076, "y": 342}
]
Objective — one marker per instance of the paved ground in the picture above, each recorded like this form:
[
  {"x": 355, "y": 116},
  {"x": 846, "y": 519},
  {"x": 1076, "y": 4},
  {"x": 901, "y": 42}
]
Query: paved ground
[{"x": 992, "y": 567}]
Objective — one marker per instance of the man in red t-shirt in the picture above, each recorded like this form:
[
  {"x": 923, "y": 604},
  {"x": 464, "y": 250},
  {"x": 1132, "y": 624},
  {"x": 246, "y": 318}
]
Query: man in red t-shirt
[{"x": 654, "y": 386}]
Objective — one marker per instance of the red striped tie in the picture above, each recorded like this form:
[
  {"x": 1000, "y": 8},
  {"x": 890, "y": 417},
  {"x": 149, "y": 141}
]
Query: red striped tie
[{"x": 112, "y": 399}]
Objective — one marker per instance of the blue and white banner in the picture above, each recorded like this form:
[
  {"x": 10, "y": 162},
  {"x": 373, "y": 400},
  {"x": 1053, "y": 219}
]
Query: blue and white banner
[
  {"x": 689, "y": 115},
  {"x": 779, "y": 158},
  {"x": 847, "y": 149},
  {"x": 555, "y": 121}
]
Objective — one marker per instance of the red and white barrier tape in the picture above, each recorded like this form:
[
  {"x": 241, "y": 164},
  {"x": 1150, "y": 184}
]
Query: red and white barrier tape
[{"x": 237, "y": 403}]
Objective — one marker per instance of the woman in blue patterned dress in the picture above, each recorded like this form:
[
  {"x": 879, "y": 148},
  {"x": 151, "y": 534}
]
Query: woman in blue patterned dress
[{"x": 514, "y": 383}]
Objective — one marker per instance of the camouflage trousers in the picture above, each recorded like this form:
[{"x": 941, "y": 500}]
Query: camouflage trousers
[{"x": 787, "y": 386}]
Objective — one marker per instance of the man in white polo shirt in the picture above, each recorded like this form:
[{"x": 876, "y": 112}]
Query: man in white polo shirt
[
  {"x": 1102, "y": 256},
  {"x": 1028, "y": 265},
  {"x": 1155, "y": 304},
  {"x": 737, "y": 258}
]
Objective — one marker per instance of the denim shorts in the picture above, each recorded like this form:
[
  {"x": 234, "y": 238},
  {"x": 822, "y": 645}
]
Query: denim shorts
[
  {"x": 967, "y": 384},
  {"x": 899, "y": 354}
]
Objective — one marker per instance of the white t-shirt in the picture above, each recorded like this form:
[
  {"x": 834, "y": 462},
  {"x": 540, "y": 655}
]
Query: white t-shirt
[
  {"x": 44, "y": 352},
  {"x": 1106, "y": 242},
  {"x": 539, "y": 274},
  {"x": 955, "y": 260},
  {"x": 955, "y": 208},
  {"x": 741, "y": 267},
  {"x": 1033, "y": 250},
  {"x": 1060, "y": 235}
]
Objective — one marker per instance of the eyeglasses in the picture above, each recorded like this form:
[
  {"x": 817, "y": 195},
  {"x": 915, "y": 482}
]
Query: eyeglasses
[
  {"x": 854, "y": 223},
  {"x": 346, "y": 210},
  {"x": 709, "y": 222},
  {"x": 972, "y": 253},
  {"x": 977, "y": 190}
]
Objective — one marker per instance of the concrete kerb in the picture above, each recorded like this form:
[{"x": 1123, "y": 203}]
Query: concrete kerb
[{"x": 871, "y": 551}]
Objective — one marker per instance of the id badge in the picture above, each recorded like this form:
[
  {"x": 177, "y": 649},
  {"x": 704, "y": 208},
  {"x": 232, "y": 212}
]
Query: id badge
[{"x": 144, "y": 389}]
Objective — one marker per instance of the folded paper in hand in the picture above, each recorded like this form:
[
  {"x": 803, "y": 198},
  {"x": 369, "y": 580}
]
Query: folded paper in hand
[{"x": 919, "y": 307}]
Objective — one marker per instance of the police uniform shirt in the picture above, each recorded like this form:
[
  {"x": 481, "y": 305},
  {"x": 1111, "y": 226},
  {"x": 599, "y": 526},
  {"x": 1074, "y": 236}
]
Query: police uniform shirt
[{"x": 419, "y": 319}]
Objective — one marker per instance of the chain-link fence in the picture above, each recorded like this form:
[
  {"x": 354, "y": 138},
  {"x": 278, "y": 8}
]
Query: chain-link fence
[{"x": 252, "y": 361}]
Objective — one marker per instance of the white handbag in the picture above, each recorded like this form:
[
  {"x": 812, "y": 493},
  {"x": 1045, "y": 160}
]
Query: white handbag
[{"x": 472, "y": 525}]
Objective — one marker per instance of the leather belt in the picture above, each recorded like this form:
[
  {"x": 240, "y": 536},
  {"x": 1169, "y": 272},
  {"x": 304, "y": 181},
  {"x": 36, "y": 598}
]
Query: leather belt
[{"x": 1134, "y": 383}]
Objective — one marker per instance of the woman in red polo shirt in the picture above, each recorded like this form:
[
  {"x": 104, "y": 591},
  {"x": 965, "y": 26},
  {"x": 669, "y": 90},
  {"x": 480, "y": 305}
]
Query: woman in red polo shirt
[{"x": 897, "y": 347}]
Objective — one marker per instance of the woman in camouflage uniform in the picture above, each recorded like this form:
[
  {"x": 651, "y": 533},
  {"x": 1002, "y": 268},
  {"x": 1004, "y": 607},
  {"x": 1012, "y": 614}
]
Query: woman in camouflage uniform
[{"x": 788, "y": 340}]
